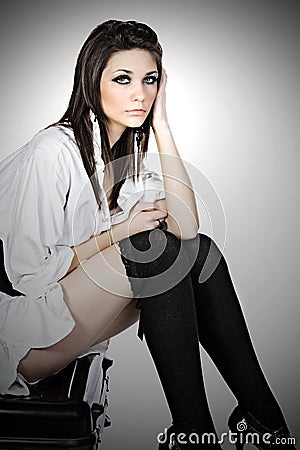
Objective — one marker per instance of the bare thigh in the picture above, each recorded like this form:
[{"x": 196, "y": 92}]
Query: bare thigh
[{"x": 99, "y": 297}]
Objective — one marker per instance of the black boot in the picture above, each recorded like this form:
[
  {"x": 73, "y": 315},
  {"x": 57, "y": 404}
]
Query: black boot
[{"x": 247, "y": 429}]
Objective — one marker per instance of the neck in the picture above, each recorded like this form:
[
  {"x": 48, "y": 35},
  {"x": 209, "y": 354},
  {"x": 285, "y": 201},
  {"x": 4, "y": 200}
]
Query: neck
[{"x": 114, "y": 134}]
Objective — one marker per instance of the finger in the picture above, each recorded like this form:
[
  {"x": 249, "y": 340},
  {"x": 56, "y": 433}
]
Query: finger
[
  {"x": 158, "y": 214},
  {"x": 164, "y": 76},
  {"x": 141, "y": 206}
]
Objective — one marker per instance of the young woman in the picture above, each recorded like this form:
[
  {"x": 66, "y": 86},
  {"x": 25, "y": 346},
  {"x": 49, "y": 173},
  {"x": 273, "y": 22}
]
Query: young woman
[{"x": 93, "y": 242}]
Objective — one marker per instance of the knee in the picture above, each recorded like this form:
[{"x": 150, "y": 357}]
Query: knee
[
  {"x": 145, "y": 239},
  {"x": 27, "y": 371},
  {"x": 155, "y": 262},
  {"x": 151, "y": 251}
]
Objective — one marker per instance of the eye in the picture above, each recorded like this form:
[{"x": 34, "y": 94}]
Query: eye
[
  {"x": 150, "y": 80},
  {"x": 122, "y": 79}
]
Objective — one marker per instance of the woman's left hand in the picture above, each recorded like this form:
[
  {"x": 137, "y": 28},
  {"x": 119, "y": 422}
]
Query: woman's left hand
[{"x": 159, "y": 118}]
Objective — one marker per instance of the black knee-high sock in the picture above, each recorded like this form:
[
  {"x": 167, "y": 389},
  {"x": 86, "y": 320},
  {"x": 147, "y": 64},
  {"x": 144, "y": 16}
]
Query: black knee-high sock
[
  {"x": 224, "y": 334},
  {"x": 169, "y": 324}
]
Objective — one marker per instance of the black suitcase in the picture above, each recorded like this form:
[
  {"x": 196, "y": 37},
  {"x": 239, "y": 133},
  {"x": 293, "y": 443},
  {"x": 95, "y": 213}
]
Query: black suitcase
[{"x": 64, "y": 411}]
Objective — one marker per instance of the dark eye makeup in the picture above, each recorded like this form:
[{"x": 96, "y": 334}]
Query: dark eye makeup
[
  {"x": 125, "y": 79},
  {"x": 150, "y": 79}
]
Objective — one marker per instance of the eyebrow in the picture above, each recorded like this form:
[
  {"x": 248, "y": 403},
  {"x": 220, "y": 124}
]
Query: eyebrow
[{"x": 129, "y": 71}]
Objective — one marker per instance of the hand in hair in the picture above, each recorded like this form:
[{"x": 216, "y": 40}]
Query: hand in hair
[
  {"x": 159, "y": 119},
  {"x": 183, "y": 220}
]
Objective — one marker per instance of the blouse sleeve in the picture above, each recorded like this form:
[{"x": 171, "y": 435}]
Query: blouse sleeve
[
  {"x": 36, "y": 258},
  {"x": 148, "y": 188},
  {"x": 153, "y": 185}
]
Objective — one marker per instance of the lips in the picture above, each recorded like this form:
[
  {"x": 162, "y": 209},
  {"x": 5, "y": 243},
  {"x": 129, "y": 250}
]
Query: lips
[{"x": 136, "y": 112}]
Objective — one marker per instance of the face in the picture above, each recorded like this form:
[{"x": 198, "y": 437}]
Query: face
[{"x": 128, "y": 89}]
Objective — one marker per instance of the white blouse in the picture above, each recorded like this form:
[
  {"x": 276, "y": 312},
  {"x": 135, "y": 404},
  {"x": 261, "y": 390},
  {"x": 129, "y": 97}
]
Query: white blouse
[{"x": 47, "y": 205}]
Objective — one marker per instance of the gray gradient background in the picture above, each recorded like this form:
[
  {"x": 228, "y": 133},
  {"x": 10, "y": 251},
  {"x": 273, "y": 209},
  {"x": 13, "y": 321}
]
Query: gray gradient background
[{"x": 233, "y": 98}]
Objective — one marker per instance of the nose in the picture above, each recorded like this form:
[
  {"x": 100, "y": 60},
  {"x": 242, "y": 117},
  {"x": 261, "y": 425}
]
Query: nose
[{"x": 138, "y": 92}]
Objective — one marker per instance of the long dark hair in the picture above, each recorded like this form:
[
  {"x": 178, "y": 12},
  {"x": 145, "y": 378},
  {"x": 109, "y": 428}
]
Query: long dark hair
[{"x": 107, "y": 38}]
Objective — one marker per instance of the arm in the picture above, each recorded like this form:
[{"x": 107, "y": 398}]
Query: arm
[
  {"x": 180, "y": 200},
  {"x": 35, "y": 258},
  {"x": 143, "y": 216}
]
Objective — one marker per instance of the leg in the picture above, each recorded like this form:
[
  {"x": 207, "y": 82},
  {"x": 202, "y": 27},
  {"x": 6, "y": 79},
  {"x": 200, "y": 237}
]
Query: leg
[
  {"x": 169, "y": 322},
  {"x": 127, "y": 317},
  {"x": 224, "y": 335},
  {"x": 98, "y": 313}
]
